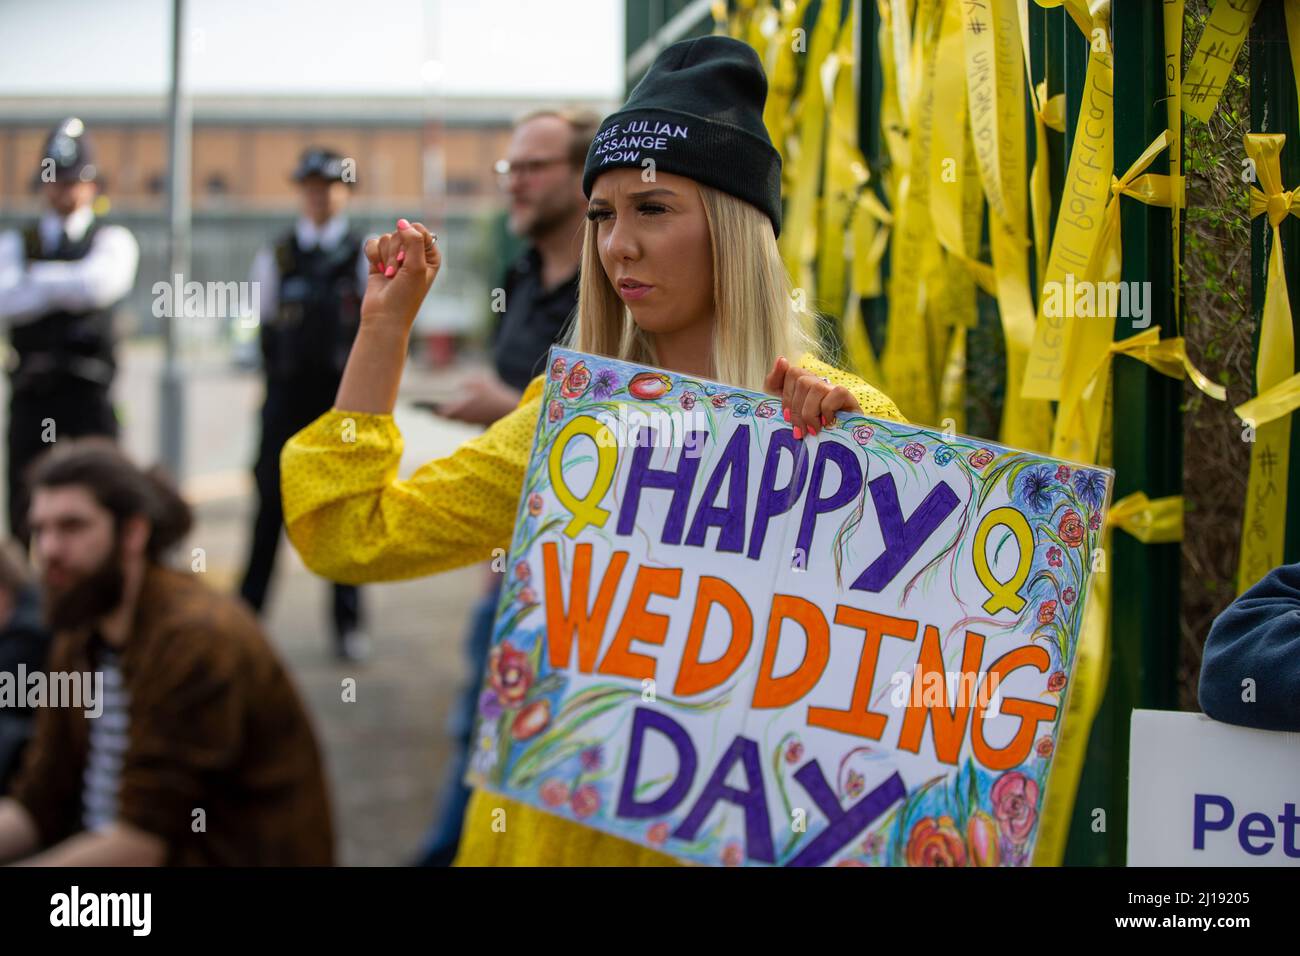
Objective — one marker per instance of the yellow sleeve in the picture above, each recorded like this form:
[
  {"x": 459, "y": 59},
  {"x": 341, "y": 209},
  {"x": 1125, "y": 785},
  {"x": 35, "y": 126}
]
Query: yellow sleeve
[
  {"x": 874, "y": 402},
  {"x": 352, "y": 519}
]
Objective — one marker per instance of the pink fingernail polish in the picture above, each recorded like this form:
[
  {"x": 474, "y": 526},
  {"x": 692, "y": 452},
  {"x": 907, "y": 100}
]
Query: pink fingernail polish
[
  {"x": 403, "y": 224},
  {"x": 812, "y": 429},
  {"x": 390, "y": 272},
  {"x": 786, "y": 412},
  {"x": 401, "y": 256},
  {"x": 798, "y": 433}
]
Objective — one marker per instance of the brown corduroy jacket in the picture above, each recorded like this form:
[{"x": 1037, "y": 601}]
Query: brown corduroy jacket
[{"x": 215, "y": 724}]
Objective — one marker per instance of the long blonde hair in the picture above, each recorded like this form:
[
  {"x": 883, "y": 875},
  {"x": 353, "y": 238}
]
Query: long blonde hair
[{"x": 754, "y": 317}]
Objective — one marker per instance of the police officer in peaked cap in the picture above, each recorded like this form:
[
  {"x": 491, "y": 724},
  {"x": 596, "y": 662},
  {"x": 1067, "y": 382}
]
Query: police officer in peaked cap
[
  {"x": 61, "y": 277},
  {"x": 312, "y": 280}
]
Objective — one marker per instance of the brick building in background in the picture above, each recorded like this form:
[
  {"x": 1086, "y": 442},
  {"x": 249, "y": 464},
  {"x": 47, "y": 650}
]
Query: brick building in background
[{"x": 415, "y": 157}]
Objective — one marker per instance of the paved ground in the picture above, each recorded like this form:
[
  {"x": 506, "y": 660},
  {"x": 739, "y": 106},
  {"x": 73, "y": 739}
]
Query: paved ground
[{"x": 386, "y": 752}]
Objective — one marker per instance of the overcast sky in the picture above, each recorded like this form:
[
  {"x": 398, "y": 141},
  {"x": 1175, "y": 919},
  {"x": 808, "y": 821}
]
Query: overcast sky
[{"x": 470, "y": 47}]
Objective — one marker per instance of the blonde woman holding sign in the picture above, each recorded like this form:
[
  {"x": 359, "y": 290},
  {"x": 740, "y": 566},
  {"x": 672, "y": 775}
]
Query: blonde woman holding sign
[{"x": 680, "y": 270}]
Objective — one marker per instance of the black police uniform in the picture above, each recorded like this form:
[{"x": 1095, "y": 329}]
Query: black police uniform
[
  {"x": 305, "y": 347},
  {"x": 62, "y": 362}
]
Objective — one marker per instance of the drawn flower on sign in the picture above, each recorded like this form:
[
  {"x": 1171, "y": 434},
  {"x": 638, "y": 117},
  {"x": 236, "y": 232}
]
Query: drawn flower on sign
[
  {"x": 527, "y": 596},
  {"x": 944, "y": 454},
  {"x": 1036, "y": 488},
  {"x": 1044, "y": 747},
  {"x": 522, "y": 571},
  {"x": 1047, "y": 612},
  {"x": 733, "y": 854},
  {"x": 719, "y": 401},
  {"x": 935, "y": 843},
  {"x": 535, "y": 504},
  {"x": 606, "y": 382},
  {"x": 855, "y": 784},
  {"x": 1054, "y": 556},
  {"x": 489, "y": 705},
  {"x": 530, "y": 721},
  {"x": 766, "y": 410},
  {"x": 657, "y": 835},
  {"x": 793, "y": 752},
  {"x": 557, "y": 370},
  {"x": 873, "y": 844},
  {"x": 1089, "y": 486},
  {"x": 591, "y": 759},
  {"x": 1068, "y": 595},
  {"x": 913, "y": 451},
  {"x": 1056, "y": 682},
  {"x": 649, "y": 386},
  {"x": 554, "y": 792},
  {"x": 585, "y": 801},
  {"x": 511, "y": 673},
  {"x": 982, "y": 839},
  {"x": 555, "y": 411},
  {"x": 741, "y": 410},
  {"x": 1094, "y": 520},
  {"x": 687, "y": 400},
  {"x": 1062, "y": 474},
  {"x": 1015, "y": 801},
  {"x": 576, "y": 382},
  {"x": 1071, "y": 528},
  {"x": 978, "y": 459},
  {"x": 862, "y": 434}
]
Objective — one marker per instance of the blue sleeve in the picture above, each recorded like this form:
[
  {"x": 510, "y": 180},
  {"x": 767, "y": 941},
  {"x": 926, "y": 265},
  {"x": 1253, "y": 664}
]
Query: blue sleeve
[{"x": 1256, "y": 637}]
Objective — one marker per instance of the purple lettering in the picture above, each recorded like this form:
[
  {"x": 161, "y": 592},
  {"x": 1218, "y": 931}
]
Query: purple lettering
[{"x": 903, "y": 538}]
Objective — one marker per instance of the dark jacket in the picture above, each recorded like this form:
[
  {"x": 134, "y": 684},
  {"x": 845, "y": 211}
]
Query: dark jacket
[
  {"x": 214, "y": 724},
  {"x": 23, "y": 641},
  {"x": 535, "y": 319},
  {"x": 1256, "y": 637}
]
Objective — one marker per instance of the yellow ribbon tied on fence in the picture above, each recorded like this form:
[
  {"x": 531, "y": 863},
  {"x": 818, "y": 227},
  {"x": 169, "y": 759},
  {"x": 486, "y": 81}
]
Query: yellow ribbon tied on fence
[
  {"x": 1078, "y": 421},
  {"x": 1083, "y": 201},
  {"x": 1277, "y": 395}
]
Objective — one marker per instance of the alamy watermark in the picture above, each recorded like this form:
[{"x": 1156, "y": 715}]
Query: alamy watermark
[
  {"x": 1086, "y": 299},
  {"x": 635, "y": 427},
  {"x": 84, "y": 690},
  {"x": 179, "y": 299}
]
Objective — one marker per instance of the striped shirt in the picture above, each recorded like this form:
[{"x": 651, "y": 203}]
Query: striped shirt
[{"x": 108, "y": 740}]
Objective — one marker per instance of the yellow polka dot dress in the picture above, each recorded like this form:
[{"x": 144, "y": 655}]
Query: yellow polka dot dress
[{"x": 354, "y": 521}]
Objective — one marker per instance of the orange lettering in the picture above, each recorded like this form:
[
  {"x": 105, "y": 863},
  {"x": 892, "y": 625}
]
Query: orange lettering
[
  {"x": 772, "y": 691},
  {"x": 639, "y": 624},
  {"x": 1030, "y": 712},
  {"x": 561, "y": 622},
  {"x": 859, "y": 719},
  {"x": 696, "y": 676},
  {"x": 949, "y": 725}
]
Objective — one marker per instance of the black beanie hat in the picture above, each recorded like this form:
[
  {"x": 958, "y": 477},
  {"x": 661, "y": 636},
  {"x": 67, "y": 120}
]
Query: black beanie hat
[{"x": 698, "y": 112}]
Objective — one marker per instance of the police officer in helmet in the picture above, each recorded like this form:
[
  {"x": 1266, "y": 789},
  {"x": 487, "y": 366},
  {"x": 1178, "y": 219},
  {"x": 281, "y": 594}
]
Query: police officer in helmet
[
  {"x": 60, "y": 279},
  {"x": 311, "y": 284}
]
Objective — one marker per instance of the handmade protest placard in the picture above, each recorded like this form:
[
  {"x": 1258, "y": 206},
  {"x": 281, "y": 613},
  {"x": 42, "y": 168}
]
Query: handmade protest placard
[{"x": 738, "y": 647}]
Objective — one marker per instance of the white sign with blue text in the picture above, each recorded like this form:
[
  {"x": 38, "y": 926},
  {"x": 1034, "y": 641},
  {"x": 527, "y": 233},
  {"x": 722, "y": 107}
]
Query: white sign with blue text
[{"x": 1204, "y": 793}]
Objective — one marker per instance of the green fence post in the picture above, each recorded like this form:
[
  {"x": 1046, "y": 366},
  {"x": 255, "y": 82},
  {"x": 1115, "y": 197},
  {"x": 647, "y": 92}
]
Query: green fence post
[
  {"x": 1147, "y": 453},
  {"x": 1273, "y": 109}
]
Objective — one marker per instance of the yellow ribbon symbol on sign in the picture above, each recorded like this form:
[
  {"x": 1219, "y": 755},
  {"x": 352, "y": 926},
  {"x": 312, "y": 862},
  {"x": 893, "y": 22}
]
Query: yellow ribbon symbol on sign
[
  {"x": 1004, "y": 593},
  {"x": 585, "y": 510}
]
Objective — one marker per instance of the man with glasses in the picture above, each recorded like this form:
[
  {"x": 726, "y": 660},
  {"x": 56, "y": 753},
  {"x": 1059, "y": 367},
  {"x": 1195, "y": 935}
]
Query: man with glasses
[{"x": 542, "y": 176}]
